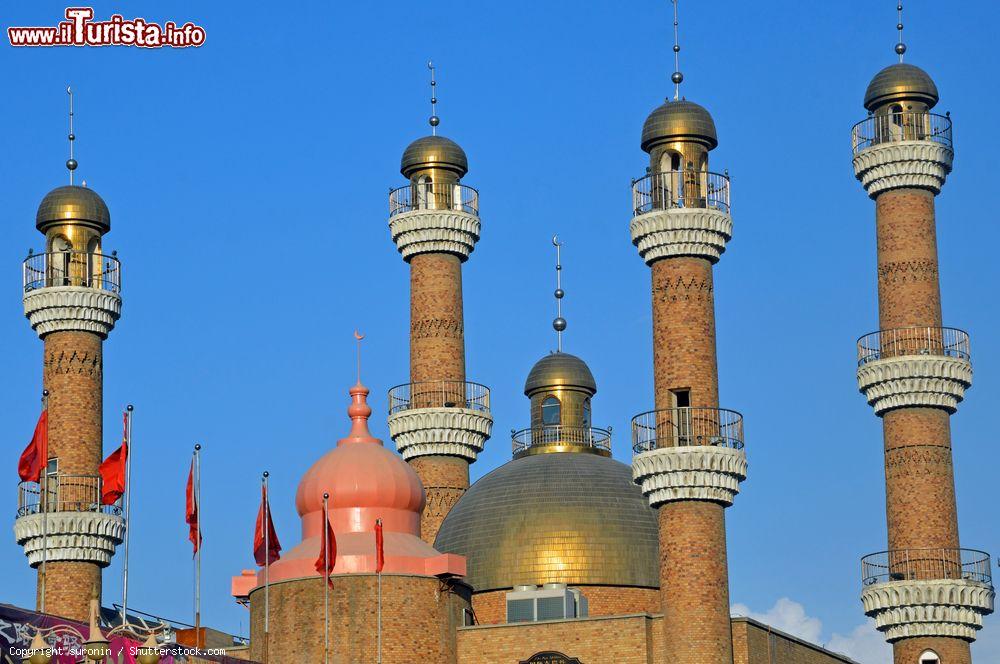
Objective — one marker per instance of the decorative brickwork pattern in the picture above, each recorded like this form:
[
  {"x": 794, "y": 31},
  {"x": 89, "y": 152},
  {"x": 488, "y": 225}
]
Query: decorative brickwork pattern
[
  {"x": 445, "y": 479},
  {"x": 684, "y": 331},
  {"x": 908, "y": 292}
]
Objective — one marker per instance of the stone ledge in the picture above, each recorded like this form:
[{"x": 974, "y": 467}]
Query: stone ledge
[
  {"x": 933, "y": 381},
  {"x": 435, "y": 231},
  {"x": 72, "y": 308},
  {"x": 70, "y": 537},
  {"x": 945, "y": 607},
  {"x": 700, "y": 232},
  {"x": 903, "y": 164},
  {"x": 461, "y": 432},
  {"x": 697, "y": 472}
]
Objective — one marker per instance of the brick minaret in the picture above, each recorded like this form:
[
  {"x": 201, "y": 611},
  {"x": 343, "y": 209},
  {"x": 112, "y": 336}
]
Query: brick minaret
[
  {"x": 439, "y": 421},
  {"x": 689, "y": 457},
  {"x": 72, "y": 300},
  {"x": 925, "y": 593}
]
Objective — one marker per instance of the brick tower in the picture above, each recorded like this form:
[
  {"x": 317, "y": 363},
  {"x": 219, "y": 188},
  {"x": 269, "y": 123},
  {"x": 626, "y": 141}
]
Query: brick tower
[
  {"x": 926, "y": 594},
  {"x": 689, "y": 457},
  {"x": 439, "y": 421},
  {"x": 72, "y": 300}
]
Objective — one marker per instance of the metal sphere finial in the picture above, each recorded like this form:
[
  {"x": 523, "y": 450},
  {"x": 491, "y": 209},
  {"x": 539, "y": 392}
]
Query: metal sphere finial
[
  {"x": 71, "y": 163},
  {"x": 197, "y": 447},
  {"x": 677, "y": 78},
  {"x": 434, "y": 120},
  {"x": 559, "y": 324},
  {"x": 900, "y": 48},
  {"x": 129, "y": 408},
  {"x": 267, "y": 474}
]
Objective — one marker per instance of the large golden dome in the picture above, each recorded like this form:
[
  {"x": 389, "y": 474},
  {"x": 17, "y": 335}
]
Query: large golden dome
[
  {"x": 679, "y": 121},
  {"x": 434, "y": 152},
  {"x": 560, "y": 370},
  {"x": 554, "y": 518},
  {"x": 901, "y": 82},
  {"x": 73, "y": 205}
]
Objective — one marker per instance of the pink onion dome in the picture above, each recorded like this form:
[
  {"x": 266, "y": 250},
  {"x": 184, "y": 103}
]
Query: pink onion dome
[{"x": 365, "y": 482}]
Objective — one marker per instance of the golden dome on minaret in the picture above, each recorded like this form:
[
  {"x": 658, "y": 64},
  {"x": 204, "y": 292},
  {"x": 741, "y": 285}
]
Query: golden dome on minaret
[
  {"x": 901, "y": 82},
  {"x": 434, "y": 152},
  {"x": 679, "y": 120},
  {"x": 73, "y": 205},
  {"x": 560, "y": 370}
]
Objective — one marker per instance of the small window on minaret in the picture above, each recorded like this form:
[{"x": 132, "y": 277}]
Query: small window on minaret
[
  {"x": 929, "y": 657},
  {"x": 551, "y": 411},
  {"x": 682, "y": 398},
  {"x": 586, "y": 413}
]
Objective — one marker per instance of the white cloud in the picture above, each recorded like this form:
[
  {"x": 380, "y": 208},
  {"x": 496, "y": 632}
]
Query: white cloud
[
  {"x": 787, "y": 616},
  {"x": 864, "y": 644}
]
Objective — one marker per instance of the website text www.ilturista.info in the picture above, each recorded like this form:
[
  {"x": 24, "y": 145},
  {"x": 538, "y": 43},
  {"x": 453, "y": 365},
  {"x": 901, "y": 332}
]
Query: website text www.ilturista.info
[{"x": 79, "y": 29}]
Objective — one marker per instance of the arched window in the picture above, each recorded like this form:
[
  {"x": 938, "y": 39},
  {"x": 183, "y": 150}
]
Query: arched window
[
  {"x": 551, "y": 411},
  {"x": 929, "y": 657},
  {"x": 586, "y": 413},
  {"x": 423, "y": 193}
]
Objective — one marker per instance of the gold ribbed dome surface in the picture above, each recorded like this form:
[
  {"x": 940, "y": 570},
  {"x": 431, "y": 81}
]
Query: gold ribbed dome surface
[
  {"x": 901, "y": 82},
  {"x": 554, "y": 518},
  {"x": 434, "y": 152},
  {"x": 679, "y": 121},
  {"x": 70, "y": 204},
  {"x": 560, "y": 370}
]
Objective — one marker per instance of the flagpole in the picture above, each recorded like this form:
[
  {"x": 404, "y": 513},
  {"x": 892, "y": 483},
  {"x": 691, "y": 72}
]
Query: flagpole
[
  {"x": 44, "y": 507},
  {"x": 267, "y": 568},
  {"x": 378, "y": 576},
  {"x": 197, "y": 563},
  {"x": 128, "y": 510},
  {"x": 326, "y": 579}
]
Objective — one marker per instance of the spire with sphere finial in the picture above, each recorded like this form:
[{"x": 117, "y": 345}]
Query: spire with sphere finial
[
  {"x": 71, "y": 162},
  {"x": 559, "y": 323},
  {"x": 677, "y": 77},
  {"x": 900, "y": 45},
  {"x": 434, "y": 119}
]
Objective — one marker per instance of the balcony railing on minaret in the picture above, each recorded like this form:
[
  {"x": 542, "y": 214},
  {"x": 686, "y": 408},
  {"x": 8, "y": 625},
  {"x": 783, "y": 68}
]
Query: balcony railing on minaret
[
  {"x": 81, "y": 269},
  {"x": 902, "y": 126},
  {"x": 683, "y": 427},
  {"x": 64, "y": 493},
  {"x": 433, "y": 196},
  {"x": 667, "y": 190}
]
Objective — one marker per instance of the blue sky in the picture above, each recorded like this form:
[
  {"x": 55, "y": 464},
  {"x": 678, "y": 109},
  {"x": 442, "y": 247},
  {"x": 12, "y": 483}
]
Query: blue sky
[{"x": 247, "y": 183}]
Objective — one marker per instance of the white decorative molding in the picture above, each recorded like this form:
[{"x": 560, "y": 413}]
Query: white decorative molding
[
  {"x": 696, "y": 472},
  {"x": 701, "y": 232},
  {"x": 71, "y": 537},
  {"x": 72, "y": 308},
  {"x": 934, "y": 381},
  {"x": 903, "y": 164},
  {"x": 945, "y": 607},
  {"x": 461, "y": 432},
  {"x": 435, "y": 231}
]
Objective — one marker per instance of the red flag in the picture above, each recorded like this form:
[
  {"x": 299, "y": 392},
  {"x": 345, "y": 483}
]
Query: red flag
[
  {"x": 36, "y": 455},
  {"x": 191, "y": 513},
  {"x": 112, "y": 471},
  {"x": 379, "y": 547},
  {"x": 273, "y": 548},
  {"x": 327, "y": 557}
]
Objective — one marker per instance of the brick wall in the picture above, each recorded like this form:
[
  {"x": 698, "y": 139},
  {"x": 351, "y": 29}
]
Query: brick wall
[
  {"x": 445, "y": 480},
  {"x": 684, "y": 331},
  {"x": 631, "y": 639},
  {"x": 419, "y": 620},
  {"x": 73, "y": 375},
  {"x": 907, "y": 259},
  {"x": 437, "y": 336}
]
